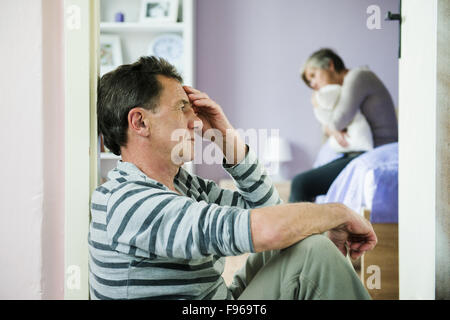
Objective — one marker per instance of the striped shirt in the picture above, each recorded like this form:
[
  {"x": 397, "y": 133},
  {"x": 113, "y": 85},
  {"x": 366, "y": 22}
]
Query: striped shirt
[{"x": 148, "y": 242}]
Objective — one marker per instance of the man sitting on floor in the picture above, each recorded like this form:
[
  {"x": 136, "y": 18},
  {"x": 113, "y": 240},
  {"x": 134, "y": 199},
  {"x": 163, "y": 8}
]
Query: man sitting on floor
[{"x": 158, "y": 232}]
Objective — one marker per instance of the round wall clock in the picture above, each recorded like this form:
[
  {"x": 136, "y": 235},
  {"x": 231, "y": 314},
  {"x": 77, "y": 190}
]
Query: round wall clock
[{"x": 169, "y": 47}]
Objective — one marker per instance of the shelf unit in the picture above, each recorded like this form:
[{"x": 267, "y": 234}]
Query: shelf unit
[
  {"x": 135, "y": 38},
  {"x": 119, "y": 27}
]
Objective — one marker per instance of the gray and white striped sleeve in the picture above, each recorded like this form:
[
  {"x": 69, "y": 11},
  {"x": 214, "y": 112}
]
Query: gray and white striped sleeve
[
  {"x": 150, "y": 222},
  {"x": 255, "y": 187}
]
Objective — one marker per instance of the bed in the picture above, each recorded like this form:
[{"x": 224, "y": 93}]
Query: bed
[
  {"x": 368, "y": 182},
  {"x": 369, "y": 186}
]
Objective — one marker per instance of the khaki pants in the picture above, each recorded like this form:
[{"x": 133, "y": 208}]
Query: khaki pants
[{"x": 311, "y": 269}]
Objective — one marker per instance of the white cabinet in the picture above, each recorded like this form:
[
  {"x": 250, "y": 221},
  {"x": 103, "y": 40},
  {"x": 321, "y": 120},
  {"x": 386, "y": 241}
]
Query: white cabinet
[{"x": 135, "y": 36}]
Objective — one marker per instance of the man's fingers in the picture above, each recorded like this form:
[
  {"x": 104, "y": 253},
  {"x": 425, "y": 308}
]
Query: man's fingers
[
  {"x": 196, "y": 96},
  {"x": 204, "y": 103},
  {"x": 355, "y": 254},
  {"x": 367, "y": 246},
  {"x": 362, "y": 246},
  {"x": 355, "y": 245},
  {"x": 190, "y": 89}
]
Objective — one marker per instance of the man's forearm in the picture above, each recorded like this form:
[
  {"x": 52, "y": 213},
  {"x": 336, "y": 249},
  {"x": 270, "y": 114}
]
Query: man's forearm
[
  {"x": 278, "y": 227},
  {"x": 233, "y": 148}
]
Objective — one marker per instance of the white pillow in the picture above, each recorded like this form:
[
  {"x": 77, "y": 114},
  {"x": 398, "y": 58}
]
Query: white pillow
[
  {"x": 328, "y": 96},
  {"x": 359, "y": 135}
]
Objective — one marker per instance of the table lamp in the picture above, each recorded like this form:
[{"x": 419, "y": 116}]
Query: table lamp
[{"x": 277, "y": 151}]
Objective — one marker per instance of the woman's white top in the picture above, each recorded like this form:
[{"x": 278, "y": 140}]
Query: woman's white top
[
  {"x": 359, "y": 135},
  {"x": 361, "y": 92}
]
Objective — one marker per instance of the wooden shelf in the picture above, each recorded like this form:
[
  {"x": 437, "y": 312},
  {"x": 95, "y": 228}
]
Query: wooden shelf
[{"x": 141, "y": 27}]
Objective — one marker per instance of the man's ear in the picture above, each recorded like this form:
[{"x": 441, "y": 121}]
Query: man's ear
[{"x": 138, "y": 122}]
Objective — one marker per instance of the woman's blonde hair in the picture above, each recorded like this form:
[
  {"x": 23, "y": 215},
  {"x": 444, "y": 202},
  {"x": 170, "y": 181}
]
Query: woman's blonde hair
[{"x": 321, "y": 59}]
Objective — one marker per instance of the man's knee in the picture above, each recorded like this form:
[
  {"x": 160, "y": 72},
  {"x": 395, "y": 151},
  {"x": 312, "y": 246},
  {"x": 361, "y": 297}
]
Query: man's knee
[
  {"x": 317, "y": 246},
  {"x": 325, "y": 273}
]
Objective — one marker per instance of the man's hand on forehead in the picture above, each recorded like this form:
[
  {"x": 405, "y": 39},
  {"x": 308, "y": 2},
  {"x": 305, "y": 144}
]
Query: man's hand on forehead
[
  {"x": 207, "y": 110},
  {"x": 213, "y": 117}
]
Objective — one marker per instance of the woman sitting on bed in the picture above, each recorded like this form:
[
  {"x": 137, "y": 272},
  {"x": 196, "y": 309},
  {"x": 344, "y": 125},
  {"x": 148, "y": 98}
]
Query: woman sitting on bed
[{"x": 356, "y": 111}]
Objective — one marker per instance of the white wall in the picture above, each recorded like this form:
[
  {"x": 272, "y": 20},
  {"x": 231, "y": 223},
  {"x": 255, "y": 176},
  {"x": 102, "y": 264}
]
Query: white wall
[
  {"x": 21, "y": 202},
  {"x": 417, "y": 150},
  {"x": 29, "y": 200}
]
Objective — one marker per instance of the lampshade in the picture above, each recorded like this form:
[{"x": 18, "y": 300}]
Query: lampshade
[{"x": 277, "y": 150}]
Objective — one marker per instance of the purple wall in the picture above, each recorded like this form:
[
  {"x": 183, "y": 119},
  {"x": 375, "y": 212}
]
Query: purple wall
[{"x": 248, "y": 55}]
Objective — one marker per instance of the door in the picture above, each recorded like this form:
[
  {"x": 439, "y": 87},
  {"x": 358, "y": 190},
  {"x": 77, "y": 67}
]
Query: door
[{"x": 423, "y": 151}]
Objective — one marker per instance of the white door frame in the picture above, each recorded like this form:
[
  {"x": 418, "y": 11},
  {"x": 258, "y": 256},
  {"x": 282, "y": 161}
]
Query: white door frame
[
  {"x": 81, "y": 69},
  {"x": 424, "y": 221}
]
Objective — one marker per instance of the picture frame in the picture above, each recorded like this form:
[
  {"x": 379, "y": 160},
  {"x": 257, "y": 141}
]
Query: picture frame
[
  {"x": 110, "y": 53},
  {"x": 159, "y": 11}
]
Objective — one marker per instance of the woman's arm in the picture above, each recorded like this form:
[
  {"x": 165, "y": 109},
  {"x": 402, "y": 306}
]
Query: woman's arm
[
  {"x": 338, "y": 135},
  {"x": 353, "y": 93}
]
